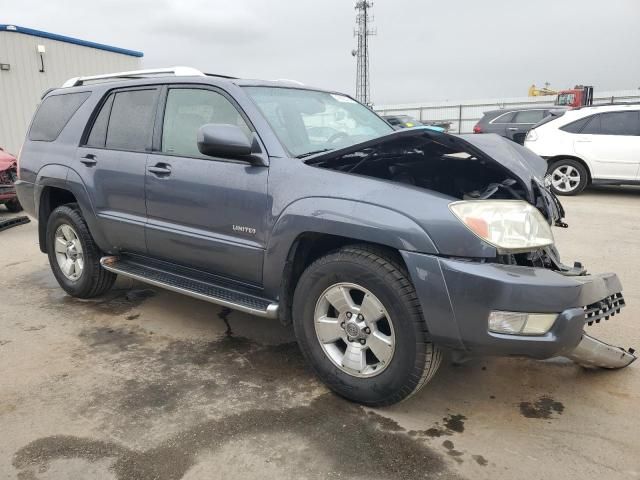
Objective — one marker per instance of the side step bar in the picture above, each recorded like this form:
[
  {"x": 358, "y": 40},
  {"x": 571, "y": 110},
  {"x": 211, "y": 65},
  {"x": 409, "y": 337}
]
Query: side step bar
[
  {"x": 592, "y": 353},
  {"x": 200, "y": 288}
]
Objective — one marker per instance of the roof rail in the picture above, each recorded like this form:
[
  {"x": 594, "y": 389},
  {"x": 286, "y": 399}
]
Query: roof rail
[{"x": 177, "y": 71}]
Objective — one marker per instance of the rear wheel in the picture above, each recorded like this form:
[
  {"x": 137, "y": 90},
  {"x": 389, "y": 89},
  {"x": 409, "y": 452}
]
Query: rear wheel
[
  {"x": 568, "y": 177},
  {"x": 73, "y": 255},
  {"x": 360, "y": 326}
]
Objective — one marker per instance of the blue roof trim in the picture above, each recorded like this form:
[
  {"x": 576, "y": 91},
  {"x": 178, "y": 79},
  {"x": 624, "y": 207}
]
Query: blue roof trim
[{"x": 62, "y": 38}]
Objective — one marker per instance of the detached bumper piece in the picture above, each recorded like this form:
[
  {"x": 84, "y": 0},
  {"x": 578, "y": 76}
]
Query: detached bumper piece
[
  {"x": 593, "y": 353},
  {"x": 13, "y": 222}
]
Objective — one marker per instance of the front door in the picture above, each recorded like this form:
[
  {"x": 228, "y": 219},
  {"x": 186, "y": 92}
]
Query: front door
[
  {"x": 204, "y": 212},
  {"x": 610, "y": 143},
  {"x": 112, "y": 161}
]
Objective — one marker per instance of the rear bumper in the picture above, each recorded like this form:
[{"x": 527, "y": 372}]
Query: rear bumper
[
  {"x": 458, "y": 296},
  {"x": 25, "y": 193}
]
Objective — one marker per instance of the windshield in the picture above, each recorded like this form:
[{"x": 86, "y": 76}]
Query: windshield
[
  {"x": 308, "y": 121},
  {"x": 566, "y": 99}
]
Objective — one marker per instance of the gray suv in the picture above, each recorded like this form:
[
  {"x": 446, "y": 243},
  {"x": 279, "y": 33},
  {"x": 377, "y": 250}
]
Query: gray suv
[
  {"x": 514, "y": 123},
  {"x": 380, "y": 248}
]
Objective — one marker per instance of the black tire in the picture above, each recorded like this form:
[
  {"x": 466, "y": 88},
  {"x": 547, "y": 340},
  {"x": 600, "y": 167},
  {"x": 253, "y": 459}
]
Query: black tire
[
  {"x": 14, "y": 206},
  {"x": 94, "y": 280},
  {"x": 571, "y": 164},
  {"x": 415, "y": 359}
]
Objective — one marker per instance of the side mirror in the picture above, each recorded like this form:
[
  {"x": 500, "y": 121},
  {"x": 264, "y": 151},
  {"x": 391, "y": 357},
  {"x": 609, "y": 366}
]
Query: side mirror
[{"x": 222, "y": 140}]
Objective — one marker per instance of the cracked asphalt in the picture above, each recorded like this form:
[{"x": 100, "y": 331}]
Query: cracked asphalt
[{"x": 147, "y": 384}]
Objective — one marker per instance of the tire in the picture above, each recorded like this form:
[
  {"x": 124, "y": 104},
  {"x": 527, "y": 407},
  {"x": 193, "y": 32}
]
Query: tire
[
  {"x": 381, "y": 277},
  {"x": 14, "y": 206},
  {"x": 571, "y": 169},
  {"x": 93, "y": 279}
]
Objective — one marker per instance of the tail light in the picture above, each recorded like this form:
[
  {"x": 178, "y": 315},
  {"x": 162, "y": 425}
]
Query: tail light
[{"x": 477, "y": 128}]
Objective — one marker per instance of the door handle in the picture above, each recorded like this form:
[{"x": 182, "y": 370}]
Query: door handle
[
  {"x": 89, "y": 160},
  {"x": 583, "y": 141},
  {"x": 160, "y": 169},
  {"x": 513, "y": 129}
]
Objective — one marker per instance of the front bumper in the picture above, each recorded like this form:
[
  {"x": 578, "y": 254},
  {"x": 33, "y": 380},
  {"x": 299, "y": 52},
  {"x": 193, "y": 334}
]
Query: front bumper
[
  {"x": 457, "y": 297},
  {"x": 7, "y": 192}
]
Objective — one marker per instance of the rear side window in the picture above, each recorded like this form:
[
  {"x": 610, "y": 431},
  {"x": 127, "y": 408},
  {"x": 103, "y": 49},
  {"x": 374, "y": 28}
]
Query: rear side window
[
  {"x": 505, "y": 118},
  {"x": 54, "y": 113},
  {"x": 125, "y": 121},
  {"x": 619, "y": 123},
  {"x": 131, "y": 120},
  {"x": 577, "y": 126},
  {"x": 529, "y": 116}
]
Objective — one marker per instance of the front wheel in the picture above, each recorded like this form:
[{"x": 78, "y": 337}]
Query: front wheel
[
  {"x": 73, "y": 255},
  {"x": 359, "y": 324}
]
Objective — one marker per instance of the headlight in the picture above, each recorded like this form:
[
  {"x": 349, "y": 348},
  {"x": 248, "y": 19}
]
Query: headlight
[
  {"x": 532, "y": 136},
  {"x": 511, "y": 226}
]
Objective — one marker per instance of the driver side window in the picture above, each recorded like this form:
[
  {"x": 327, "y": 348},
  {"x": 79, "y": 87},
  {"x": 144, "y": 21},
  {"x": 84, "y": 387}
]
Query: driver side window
[{"x": 187, "y": 109}]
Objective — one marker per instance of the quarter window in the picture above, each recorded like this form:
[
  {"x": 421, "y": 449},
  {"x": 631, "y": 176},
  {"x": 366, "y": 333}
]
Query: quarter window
[
  {"x": 504, "y": 118},
  {"x": 577, "y": 126},
  {"x": 54, "y": 113},
  {"x": 187, "y": 110}
]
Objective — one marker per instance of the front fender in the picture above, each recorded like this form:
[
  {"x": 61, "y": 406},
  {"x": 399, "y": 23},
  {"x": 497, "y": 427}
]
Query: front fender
[{"x": 345, "y": 218}]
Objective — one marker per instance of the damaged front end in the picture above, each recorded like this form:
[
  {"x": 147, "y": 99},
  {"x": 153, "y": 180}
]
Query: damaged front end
[{"x": 471, "y": 169}]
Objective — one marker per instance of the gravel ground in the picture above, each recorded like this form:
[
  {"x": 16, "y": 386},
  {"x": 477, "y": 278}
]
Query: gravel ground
[{"x": 147, "y": 384}]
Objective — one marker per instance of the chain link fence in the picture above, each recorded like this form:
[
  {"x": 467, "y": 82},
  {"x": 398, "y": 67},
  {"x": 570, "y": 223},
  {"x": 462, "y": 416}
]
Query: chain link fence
[{"x": 463, "y": 115}]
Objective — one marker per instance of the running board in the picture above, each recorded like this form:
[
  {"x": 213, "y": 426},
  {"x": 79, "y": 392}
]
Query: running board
[
  {"x": 181, "y": 282},
  {"x": 592, "y": 353}
]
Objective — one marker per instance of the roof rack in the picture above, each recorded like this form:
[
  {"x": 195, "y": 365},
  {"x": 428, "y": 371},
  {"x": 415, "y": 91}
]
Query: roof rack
[{"x": 177, "y": 71}]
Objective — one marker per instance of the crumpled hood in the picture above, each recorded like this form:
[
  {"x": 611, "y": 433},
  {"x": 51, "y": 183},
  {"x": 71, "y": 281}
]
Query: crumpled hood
[
  {"x": 6, "y": 161},
  {"x": 520, "y": 162}
]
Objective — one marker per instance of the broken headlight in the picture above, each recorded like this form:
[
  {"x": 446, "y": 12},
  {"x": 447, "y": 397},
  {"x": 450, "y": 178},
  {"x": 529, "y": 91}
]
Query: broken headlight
[{"x": 512, "y": 226}]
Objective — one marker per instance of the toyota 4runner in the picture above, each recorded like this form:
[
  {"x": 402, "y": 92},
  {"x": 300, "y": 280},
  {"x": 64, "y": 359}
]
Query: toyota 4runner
[{"x": 381, "y": 248}]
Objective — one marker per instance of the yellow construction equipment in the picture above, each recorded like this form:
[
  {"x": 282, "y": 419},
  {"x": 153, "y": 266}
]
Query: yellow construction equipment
[{"x": 538, "y": 92}]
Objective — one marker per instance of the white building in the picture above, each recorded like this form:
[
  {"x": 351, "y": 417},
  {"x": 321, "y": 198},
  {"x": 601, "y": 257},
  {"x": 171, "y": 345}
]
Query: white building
[{"x": 32, "y": 61}]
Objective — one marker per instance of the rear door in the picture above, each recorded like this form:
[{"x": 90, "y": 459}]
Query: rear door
[
  {"x": 204, "y": 212},
  {"x": 610, "y": 143},
  {"x": 522, "y": 122},
  {"x": 112, "y": 161}
]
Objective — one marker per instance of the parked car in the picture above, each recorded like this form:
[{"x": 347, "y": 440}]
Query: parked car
[
  {"x": 8, "y": 175},
  {"x": 402, "y": 121},
  {"x": 515, "y": 123},
  {"x": 378, "y": 248},
  {"x": 590, "y": 145}
]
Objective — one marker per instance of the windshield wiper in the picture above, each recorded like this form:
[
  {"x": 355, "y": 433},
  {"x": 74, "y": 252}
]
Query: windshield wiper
[{"x": 313, "y": 152}]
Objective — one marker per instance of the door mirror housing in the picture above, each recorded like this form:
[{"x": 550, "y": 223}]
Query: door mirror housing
[{"x": 224, "y": 140}]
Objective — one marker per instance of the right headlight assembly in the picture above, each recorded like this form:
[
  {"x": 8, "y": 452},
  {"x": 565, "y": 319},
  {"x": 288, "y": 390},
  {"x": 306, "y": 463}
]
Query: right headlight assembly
[{"x": 512, "y": 226}]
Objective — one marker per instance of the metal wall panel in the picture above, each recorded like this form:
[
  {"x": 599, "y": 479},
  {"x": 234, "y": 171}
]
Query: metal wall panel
[{"x": 22, "y": 86}]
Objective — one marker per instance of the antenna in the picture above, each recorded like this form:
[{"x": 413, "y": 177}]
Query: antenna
[{"x": 362, "y": 32}]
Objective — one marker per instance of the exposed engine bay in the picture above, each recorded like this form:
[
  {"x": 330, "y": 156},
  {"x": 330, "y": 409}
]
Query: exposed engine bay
[{"x": 453, "y": 166}]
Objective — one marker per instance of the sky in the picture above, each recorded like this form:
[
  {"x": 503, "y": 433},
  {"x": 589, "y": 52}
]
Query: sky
[{"x": 424, "y": 50}]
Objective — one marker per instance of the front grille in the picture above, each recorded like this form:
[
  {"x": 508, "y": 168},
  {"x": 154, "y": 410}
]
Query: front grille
[{"x": 605, "y": 308}]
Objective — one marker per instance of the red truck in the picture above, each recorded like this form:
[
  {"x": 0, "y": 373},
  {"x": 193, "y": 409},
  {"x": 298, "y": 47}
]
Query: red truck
[
  {"x": 8, "y": 175},
  {"x": 578, "y": 96}
]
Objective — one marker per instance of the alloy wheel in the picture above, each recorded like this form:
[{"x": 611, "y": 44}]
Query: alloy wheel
[{"x": 354, "y": 330}]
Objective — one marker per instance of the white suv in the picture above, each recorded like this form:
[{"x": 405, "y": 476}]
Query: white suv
[{"x": 599, "y": 145}]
